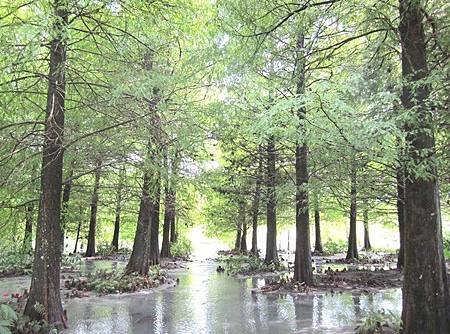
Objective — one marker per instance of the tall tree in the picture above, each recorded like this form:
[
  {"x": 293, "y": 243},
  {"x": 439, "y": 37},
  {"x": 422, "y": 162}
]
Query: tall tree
[
  {"x": 118, "y": 210},
  {"x": 271, "y": 241},
  {"x": 255, "y": 202},
  {"x": 138, "y": 261},
  {"x": 426, "y": 299},
  {"x": 90, "y": 248},
  {"x": 352, "y": 250},
  {"x": 303, "y": 263},
  {"x": 367, "y": 245},
  {"x": 45, "y": 280}
]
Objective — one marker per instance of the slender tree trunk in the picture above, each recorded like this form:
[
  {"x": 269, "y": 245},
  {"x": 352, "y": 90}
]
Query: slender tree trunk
[
  {"x": 318, "y": 245},
  {"x": 154, "y": 225},
  {"x": 90, "y": 249},
  {"x": 367, "y": 245},
  {"x": 303, "y": 262},
  {"x": 238, "y": 239},
  {"x": 138, "y": 262},
  {"x": 243, "y": 244},
  {"x": 401, "y": 214},
  {"x": 255, "y": 204},
  {"x": 426, "y": 299},
  {"x": 240, "y": 218},
  {"x": 27, "y": 246},
  {"x": 173, "y": 225},
  {"x": 65, "y": 206},
  {"x": 77, "y": 237},
  {"x": 169, "y": 215},
  {"x": 45, "y": 280},
  {"x": 271, "y": 241},
  {"x": 115, "y": 240},
  {"x": 352, "y": 250}
]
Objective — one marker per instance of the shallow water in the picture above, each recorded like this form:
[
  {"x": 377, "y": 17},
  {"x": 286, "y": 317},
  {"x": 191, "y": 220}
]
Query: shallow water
[{"x": 209, "y": 302}]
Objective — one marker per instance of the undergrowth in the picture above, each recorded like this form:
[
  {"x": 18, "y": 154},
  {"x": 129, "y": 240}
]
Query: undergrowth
[
  {"x": 378, "y": 322},
  {"x": 248, "y": 265},
  {"x": 108, "y": 282}
]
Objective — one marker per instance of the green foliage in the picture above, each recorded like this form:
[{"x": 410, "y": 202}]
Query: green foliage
[
  {"x": 15, "y": 263},
  {"x": 107, "y": 282},
  {"x": 7, "y": 318},
  {"x": 374, "y": 322},
  {"x": 182, "y": 248},
  {"x": 12, "y": 321},
  {"x": 249, "y": 265},
  {"x": 447, "y": 245},
  {"x": 333, "y": 247},
  {"x": 72, "y": 261}
]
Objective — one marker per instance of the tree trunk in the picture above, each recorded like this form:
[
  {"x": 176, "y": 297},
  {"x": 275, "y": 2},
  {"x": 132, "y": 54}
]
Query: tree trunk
[
  {"x": 90, "y": 249},
  {"x": 115, "y": 240},
  {"x": 45, "y": 280},
  {"x": 239, "y": 223},
  {"x": 426, "y": 300},
  {"x": 138, "y": 262},
  {"x": 154, "y": 225},
  {"x": 318, "y": 245},
  {"x": 401, "y": 214},
  {"x": 65, "y": 206},
  {"x": 169, "y": 216},
  {"x": 77, "y": 237},
  {"x": 271, "y": 241},
  {"x": 243, "y": 245},
  {"x": 303, "y": 262},
  {"x": 367, "y": 245},
  {"x": 255, "y": 204},
  {"x": 27, "y": 246},
  {"x": 352, "y": 250}
]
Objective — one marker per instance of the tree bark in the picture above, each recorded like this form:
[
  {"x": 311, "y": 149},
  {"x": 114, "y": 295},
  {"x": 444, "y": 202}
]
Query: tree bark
[
  {"x": 426, "y": 299},
  {"x": 303, "y": 262},
  {"x": 90, "y": 248},
  {"x": 169, "y": 216},
  {"x": 115, "y": 240},
  {"x": 243, "y": 245},
  {"x": 77, "y": 237},
  {"x": 45, "y": 280},
  {"x": 138, "y": 262},
  {"x": 401, "y": 214},
  {"x": 352, "y": 250},
  {"x": 27, "y": 246},
  {"x": 318, "y": 244},
  {"x": 65, "y": 206},
  {"x": 271, "y": 240},
  {"x": 367, "y": 245},
  {"x": 255, "y": 204},
  {"x": 154, "y": 224}
]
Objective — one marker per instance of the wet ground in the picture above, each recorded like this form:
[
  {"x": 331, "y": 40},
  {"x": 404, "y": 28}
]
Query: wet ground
[{"x": 209, "y": 302}]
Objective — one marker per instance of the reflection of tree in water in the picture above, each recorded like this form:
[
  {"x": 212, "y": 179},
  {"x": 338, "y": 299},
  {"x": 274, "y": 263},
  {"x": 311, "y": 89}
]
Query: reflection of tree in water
[
  {"x": 304, "y": 312},
  {"x": 317, "y": 311}
]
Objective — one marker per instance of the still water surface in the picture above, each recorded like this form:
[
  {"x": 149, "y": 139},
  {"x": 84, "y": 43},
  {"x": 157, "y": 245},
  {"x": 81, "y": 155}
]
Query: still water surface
[{"x": 210, "y": 302}]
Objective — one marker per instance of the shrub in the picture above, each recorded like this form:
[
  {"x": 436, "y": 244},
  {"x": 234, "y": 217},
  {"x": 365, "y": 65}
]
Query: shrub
[
  {"x": 106, "y": 282},
  {"x": 181, "y": 248},
  {"x": 375, "y": 321},
  {"x": 333, "y": 247},
  {"x": 12, "y": 321},
  {"x": 15, "y": 263},
  {"x": 447, "y": 245},
  {"x": 247, "y": 265}
]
